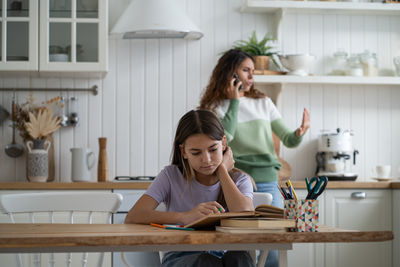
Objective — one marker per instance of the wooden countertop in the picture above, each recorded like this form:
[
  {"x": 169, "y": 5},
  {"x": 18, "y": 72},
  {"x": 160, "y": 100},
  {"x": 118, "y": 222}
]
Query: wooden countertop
[
  {"x": 114, "y": 237},
  {"x": 73, "y": 185},
  {"x": 144, "y": 185}
]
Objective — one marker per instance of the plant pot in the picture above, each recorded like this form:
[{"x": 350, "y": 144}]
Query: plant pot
[
  {"x": 261, "y": 62},
  {"x": 38, "y": 160}
]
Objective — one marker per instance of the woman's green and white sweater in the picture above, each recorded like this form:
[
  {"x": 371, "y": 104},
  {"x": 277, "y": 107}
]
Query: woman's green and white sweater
[{"x": 249, "y": 124}]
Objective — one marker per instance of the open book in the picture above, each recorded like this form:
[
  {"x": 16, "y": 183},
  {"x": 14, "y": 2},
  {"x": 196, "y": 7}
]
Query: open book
[
  {"x": 214, "y": 219},
  {"x": 269, "y": 211}
]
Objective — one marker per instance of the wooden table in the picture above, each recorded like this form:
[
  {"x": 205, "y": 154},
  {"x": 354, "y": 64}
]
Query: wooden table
[{"x": 26, "y": 238}]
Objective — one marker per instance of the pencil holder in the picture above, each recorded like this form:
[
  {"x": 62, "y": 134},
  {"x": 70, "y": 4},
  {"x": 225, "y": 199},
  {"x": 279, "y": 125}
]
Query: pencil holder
[{"x": 305, "y": 212}]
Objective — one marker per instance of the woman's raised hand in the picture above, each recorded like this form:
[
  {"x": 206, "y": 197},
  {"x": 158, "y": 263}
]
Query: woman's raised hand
[
  {"x": 305, "y": 124},
  {"x": 202, "y": 210},
  {"x": 233, "y": 90}
]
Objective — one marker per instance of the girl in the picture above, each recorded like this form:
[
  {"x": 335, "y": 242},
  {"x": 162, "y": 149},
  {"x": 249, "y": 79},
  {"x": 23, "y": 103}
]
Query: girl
[
  {"x": 200, "y": 181},
  {"x": 249, "y": 119}
]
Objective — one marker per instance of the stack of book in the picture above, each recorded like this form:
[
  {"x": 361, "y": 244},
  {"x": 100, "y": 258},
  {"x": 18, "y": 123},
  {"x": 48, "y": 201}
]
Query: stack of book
[
  {"x": 254, "y": 225},
  {"x": 265, "y": 218}
]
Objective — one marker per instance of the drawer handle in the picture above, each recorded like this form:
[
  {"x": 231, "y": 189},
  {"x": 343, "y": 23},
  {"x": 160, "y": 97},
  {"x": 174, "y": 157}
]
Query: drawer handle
[{"x": 358, "y": 195}]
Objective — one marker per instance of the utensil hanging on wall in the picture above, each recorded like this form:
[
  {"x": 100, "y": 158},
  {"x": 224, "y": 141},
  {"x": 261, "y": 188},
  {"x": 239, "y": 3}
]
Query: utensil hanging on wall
[
  {"x": 4, "y": 114},
  {"x": 14, "y": 150}
]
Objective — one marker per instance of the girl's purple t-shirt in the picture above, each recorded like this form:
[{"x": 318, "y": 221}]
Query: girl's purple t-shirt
[{"x": 178, "y": 195}]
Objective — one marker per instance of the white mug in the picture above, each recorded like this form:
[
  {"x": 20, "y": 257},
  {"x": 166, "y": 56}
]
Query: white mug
[
  {"x": 81, "y": 164},
  {"x": 383, "y": 171}
]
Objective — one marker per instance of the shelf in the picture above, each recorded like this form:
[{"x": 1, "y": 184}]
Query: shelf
[
  {"x": 266, "y": 6},
  {"x": 348, "y": 80}
]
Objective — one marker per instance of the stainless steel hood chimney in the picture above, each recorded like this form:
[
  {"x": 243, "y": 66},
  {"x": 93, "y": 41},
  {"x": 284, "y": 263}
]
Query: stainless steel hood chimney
[{"x": 149, "y": 19}]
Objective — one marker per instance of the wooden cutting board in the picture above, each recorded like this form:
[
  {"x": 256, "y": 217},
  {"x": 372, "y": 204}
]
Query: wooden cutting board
[{"x": 51, "y": 159}]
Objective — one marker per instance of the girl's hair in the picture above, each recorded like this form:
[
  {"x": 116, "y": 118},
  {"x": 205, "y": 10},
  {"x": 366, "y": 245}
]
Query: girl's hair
[
  {"x": 216, "y": 90},
  {"x": 194, "y": 122}
]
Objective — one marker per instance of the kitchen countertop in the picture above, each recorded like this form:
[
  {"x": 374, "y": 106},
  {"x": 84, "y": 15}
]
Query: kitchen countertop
[{"x": 144, "y": 185}]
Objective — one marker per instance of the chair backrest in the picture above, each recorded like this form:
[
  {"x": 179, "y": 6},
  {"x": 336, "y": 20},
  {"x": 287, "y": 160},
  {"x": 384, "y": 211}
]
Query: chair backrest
[{"x": 74, "y": 204}]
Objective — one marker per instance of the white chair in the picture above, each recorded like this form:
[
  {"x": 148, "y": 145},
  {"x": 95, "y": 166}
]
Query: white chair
[{"x": 63, "y": 207}]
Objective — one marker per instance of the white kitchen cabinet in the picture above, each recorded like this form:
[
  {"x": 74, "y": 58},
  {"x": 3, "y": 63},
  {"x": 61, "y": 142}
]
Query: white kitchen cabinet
[
  {"x": 19, "y": 35},
  {"x": 396, "y": 227},
  {"x": 359, "y": 210},
  {"x": 54, "y": 35},
  {"x": 339, "y": 209},
  {"x": 9, "y": 260}
]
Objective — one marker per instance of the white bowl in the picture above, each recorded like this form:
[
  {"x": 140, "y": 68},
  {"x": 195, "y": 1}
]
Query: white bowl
[
  {"x": 297, "y": 64},
  {"x": 58, "y": 57}
]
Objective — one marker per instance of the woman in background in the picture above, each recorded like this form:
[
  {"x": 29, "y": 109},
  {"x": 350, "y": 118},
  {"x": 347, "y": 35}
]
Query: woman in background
[{"x": 249, "y": 119}]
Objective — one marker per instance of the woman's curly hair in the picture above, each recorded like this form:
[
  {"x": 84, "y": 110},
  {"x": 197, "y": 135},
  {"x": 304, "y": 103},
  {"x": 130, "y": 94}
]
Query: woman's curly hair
[{"x": 217, "y": 88}]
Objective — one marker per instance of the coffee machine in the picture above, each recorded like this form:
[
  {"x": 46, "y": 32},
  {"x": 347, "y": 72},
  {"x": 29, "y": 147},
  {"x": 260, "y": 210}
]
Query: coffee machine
[{"x": 335, "y": 154}]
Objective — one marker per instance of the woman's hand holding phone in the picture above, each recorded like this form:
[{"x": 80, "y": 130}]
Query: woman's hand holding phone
[
  {"x": 234, "y": 88},
  {"x": 237, "y": 82}
]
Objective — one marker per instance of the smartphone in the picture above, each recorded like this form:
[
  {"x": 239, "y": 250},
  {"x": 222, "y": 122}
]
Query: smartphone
[{"x": 236, "y": 81}]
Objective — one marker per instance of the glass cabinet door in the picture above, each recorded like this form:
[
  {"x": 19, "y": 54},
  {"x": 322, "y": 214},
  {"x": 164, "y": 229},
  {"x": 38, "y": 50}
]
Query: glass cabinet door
[
  {"x": 18, "y": 31},
  {"x": 77, "y": 35}
]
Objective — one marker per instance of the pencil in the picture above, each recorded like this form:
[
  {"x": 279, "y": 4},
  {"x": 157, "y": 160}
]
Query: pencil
[
  {"x": 291, "y": 186},
  {"x": 158, "y": 225},
  {"x": 172, "y": 227}
]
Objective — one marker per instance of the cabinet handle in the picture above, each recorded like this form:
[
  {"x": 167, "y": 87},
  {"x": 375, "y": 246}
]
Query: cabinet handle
[{"x": 358, "y": 195}]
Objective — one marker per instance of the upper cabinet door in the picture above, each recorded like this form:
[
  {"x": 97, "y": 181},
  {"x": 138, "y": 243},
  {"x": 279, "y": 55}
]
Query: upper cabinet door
[
  {"x": 18, "y": 35},
  {"x": 73, "y": 35}
]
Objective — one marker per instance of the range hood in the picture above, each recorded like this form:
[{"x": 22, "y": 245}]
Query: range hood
[{"x": 150, "y": 19}]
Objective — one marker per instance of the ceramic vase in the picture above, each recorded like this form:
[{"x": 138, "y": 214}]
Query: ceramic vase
[{"x": 38, "y": 160}]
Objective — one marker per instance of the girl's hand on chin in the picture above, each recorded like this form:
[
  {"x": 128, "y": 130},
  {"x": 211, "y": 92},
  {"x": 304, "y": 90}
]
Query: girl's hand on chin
[
  {"x": 227, "y": 161},
  {"x": 201, "y": 210}
]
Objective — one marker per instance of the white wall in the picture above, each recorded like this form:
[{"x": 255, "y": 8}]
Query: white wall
[{"x": 152, "y": 83}]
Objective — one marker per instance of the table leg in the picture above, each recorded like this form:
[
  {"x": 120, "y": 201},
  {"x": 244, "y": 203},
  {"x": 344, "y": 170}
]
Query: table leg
[
  {"x": 263, "y": 258},
  {"x": 283, "y": 262}
]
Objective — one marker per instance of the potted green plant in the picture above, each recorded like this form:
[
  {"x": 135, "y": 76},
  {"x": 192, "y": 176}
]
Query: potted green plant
[{"x": 262, "y": 50}]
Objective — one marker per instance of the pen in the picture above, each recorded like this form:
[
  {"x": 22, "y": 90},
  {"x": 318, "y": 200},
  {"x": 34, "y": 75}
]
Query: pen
[
  {"x": 286, "y": 194},
  {"x": 283, "y": 195},
  {"x": 172, "y": 227},
  {"x": 291, "y": 188}
]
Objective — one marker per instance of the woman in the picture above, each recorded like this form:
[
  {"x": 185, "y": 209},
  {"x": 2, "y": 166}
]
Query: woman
[
  {"x": 200, "y": 181},
  {"x": 249, "y": 119}
]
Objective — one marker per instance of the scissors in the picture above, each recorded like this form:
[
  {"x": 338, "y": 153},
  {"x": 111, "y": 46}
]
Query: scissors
[{"x": 316, "y": 186}]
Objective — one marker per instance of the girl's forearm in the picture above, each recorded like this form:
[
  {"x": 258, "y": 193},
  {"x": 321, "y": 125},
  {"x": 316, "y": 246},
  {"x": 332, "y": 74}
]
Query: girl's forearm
[
  {"x": 154, "y": 216},
  {"x": 235, "y": 200}
]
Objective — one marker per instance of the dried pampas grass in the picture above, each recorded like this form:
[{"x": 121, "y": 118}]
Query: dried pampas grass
[{"x": 43, "y": 124}]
